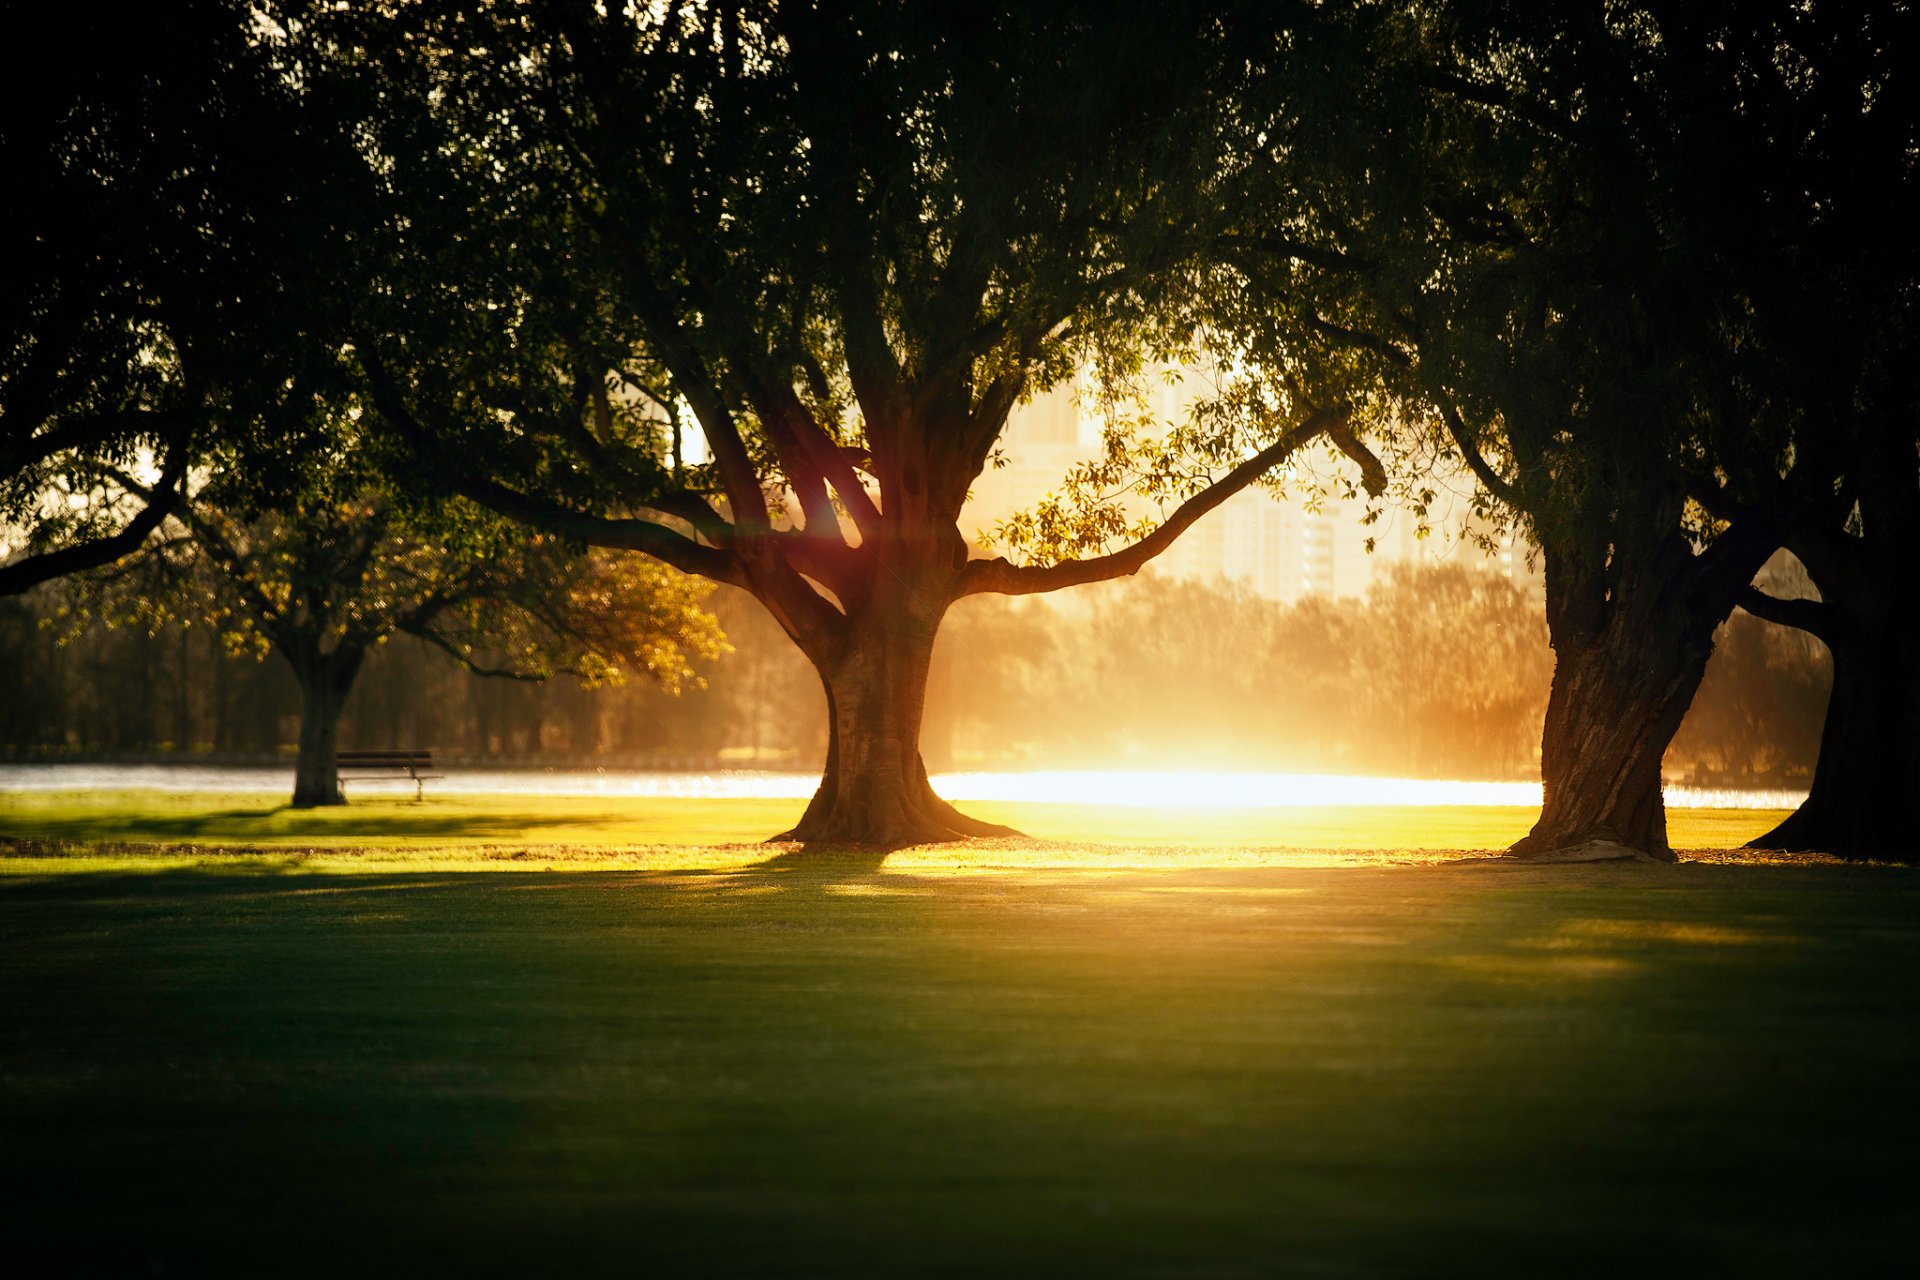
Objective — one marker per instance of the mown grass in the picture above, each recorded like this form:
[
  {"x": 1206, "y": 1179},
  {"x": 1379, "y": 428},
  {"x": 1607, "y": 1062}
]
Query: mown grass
[
  {"x": 1014, "y": 1059},
  {"x": 449, "y": 824}
]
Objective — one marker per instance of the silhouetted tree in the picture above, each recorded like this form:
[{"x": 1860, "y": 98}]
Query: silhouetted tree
[
  {"x": 844, "y": 241},
  {"x": 1597, "y": 279},
  {"x": 1867, "y": 617}
]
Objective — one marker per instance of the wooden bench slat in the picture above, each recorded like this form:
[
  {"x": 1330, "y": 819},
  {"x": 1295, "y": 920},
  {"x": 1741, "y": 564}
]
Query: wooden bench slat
[{"x": 400, "y": 765}]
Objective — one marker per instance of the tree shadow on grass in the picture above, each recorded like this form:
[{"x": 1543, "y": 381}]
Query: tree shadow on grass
[
  {"x": 282, "y": 823},
  {"x": 254, "y": 877},
  {"x": 267, "y": 877},
  {"x": 827, "y": 863}
]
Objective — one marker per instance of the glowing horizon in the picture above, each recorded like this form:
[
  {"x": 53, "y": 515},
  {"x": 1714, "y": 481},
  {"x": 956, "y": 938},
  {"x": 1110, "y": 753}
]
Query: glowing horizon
[{"x": 1144, "y": 788}]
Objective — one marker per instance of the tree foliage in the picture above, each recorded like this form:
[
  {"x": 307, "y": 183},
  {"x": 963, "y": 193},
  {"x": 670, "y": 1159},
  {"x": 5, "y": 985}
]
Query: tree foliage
[
  {"x": 347, "y": 566},
  {"x": 159, "y": 279}
]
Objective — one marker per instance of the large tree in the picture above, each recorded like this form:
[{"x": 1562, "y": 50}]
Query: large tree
[
  {"x": 1594, "y": 280},
  {"x": 1844, "y": 344},
  {"x": 845, "y": 241}
]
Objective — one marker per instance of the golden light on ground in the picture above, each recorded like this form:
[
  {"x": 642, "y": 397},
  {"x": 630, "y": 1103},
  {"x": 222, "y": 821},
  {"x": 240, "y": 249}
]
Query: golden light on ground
[
  {"x": 65, "y": 831},
  {"x": 1177, "y": 789}
]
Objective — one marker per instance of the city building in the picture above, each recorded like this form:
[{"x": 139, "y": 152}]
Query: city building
[{"x": 1283, "y": 547}]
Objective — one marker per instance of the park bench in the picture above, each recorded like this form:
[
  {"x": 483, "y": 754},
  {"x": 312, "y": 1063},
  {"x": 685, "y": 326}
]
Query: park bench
[{"x": 392, "y": 765}]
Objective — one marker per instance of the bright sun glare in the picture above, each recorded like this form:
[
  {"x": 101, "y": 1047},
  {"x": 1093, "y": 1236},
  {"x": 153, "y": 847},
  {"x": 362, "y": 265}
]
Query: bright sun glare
[{"x": 1139, "y": 789}]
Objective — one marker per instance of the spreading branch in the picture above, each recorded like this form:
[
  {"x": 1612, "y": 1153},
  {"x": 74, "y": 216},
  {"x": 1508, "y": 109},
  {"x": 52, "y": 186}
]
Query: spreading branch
[
  {"x": 619, "y": 533},
  {"x": 691, "y": 375},
  {"x": 1477, "y": 463},
  {"x": 470, "y": 662},
  {"x": 161, "y": 501},
  {"x": 1006, "y": 578}
]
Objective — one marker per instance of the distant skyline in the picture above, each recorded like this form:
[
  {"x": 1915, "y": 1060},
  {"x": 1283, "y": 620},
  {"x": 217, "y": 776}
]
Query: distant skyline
[{"x": 1276, "y": 548}]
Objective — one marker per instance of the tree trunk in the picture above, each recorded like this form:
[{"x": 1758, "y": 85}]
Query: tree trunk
[
  {"x": 874, "y": 792},
  {"x": 324, "y": 685},
  {"x": 1631, "y": 639},
  {"x": 1613, "y": 710},
  {"x": 1869, "y": 767}
]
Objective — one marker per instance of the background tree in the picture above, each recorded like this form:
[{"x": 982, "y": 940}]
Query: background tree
[
  {"x": 347, "y": 567},
  {"x": 847, "y": 241},
  {"x": 1450, "y": 654},
  {"x": 1018, "y": 682}
]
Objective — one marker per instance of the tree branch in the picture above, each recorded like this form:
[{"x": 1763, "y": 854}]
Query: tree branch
[
  {"x": 1466, "y": 90},
  {"x": 467, "y": 660},
  {"x": 1373, "y": 476},
  {"x": 826, "y": 456},
  {"x": 1476, "y": 462},
  {"x": 80, "y": 431},
  {"x": 1281, "y": 247},
  {"x": 1361, "y": 340},
  {"x": 1832, "y": 557},
  {"x": 690, "y": 374},
  {"x": 679, "y": 503},
  {"x": 657, "y": 540},
  {"x": 1815, "y": 617},
  {"x": 778, "y": 408},
  {"x": 162, "y": 500},
  {"x": 1006, "y": 578}
]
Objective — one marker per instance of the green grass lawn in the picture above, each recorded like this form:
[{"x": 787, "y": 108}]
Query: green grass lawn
[
  {"x": 1026, "y": 1059},
  {"x": 464, "y": 828}
]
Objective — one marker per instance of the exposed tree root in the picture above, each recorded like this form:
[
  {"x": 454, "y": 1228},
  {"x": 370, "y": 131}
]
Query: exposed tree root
[
  {"x": 1596, "y": 849},
  {"x": 1798, "y": 832},
  {"x": 887, "y": 819}
]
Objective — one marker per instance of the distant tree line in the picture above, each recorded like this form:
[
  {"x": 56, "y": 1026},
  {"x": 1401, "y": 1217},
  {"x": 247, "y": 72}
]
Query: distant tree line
[
  {"x": 179, "y": 691},
  {"x": 1439, "y": 672}
]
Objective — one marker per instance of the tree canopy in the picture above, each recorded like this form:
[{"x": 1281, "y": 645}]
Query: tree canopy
[
  {"x": 1608, "y": 258},
  {"x": 843, "y": 243},
  {"x": 158, "y": 287}
]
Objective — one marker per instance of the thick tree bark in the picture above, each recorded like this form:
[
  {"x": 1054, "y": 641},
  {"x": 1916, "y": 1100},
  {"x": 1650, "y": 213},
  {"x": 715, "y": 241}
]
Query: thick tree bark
[
  {"x": 1632, "y": 629},
  {"x": 324, "y": 685},
  {"x": 1615, "y": 704},
  {"x": 874, "y": 791},
  {"x": 875, "y": 668}
]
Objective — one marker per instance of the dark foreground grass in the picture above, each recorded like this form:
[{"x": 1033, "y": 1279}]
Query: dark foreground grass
[{"x": 831, "y": 1069}]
